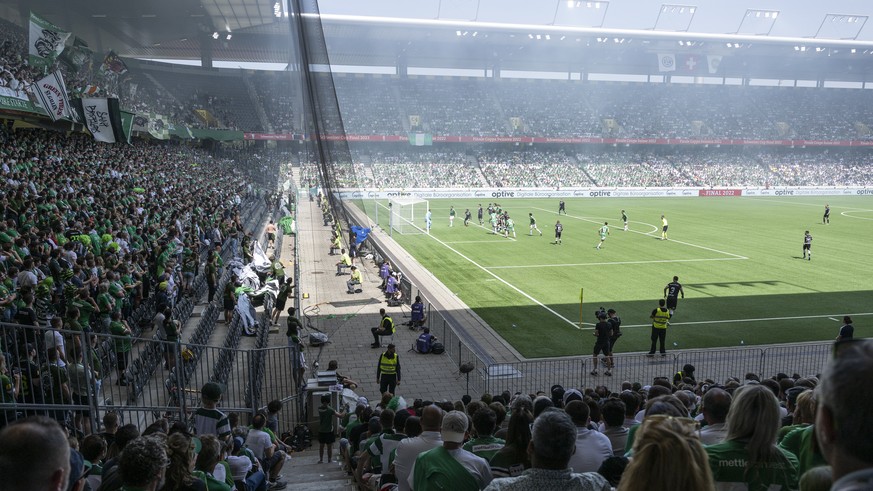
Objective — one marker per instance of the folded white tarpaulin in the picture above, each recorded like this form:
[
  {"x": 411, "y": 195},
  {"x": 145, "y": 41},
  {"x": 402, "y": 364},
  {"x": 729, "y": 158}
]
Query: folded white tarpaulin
[
  {"x": 260, "y": 260},
  {"x": 246, "y": 314}
]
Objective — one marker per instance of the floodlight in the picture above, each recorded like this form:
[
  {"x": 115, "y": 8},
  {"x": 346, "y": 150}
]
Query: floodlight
[
  {"x": 548, "y": 37},
  {"x": 229, "y": 36},
  {"x": 457, "y": 33},
  {"x": 215, "y": 35}
]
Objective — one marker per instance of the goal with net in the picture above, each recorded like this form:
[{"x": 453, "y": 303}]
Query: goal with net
[{"x": 407, "y": 215}]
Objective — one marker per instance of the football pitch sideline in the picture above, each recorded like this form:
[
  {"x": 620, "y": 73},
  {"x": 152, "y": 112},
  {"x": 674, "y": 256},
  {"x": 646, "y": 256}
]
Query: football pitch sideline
[{"x": 739, "y": 261}]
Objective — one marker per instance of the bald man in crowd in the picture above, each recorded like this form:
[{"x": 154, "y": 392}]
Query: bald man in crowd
[{"x": 34, "y": 456}]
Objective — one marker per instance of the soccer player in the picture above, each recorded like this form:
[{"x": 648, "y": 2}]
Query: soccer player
[
  {"x": 451, "y": 216},
  {"x": 427, "y": 220},
  {"x": 604, "y": 231},
  {"x": 561, "y": 207},
  {"x": 559, "y": 229},
  {"x": 493, "y": 223},
  {"x": 480, "y": 214},
  {"x": 510, "y": 227},
  {"x": 533, "y": 225},
  {"x": 624, "y": 219},
  {"x": 672, "y": 292},
  {"x": 826, "y": 219},
  {"x": 467, "y": 217},
  {"x": 807, "y": 244},
  {"x": 663, "y": 227}
]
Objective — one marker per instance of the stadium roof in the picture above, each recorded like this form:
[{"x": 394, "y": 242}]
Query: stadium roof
[{"x": 775, "y": 39}]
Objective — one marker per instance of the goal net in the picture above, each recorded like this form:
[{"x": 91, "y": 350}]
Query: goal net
[{"x": 407, "y": 215}]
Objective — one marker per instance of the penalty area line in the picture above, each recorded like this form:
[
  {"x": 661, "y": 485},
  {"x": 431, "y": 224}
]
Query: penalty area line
[
  {"x": 655, "y": 261},
  {"x": 510, "y": 285},
  {"x": 649, "y": 234}
]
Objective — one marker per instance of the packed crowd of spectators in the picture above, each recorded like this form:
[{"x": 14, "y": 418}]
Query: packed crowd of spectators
[
  {"x": 276, "y": 94},
  {"x": 750, "y": 432},
  {"x": 782, "y": 432},
  {"x": 547, "y": 168},
  {"x": 90, "y": 231},
  {"x": 424, "y": 169},
  {"x": 531, "y": 169},
  {"x": 368, "y": 106}
]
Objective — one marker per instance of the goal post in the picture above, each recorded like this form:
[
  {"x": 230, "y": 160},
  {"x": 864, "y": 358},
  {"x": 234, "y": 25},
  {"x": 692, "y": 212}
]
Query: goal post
[{"x": 406, "y": 215}]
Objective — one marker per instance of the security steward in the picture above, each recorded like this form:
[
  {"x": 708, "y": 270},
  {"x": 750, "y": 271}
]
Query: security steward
[
  {"x": 386, "y": 328},
  {"x": 660, "y": 317},
  {"x": 388, "y": 370}
]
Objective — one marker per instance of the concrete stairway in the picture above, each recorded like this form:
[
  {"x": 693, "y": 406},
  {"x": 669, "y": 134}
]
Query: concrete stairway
[{"x": 304, "y": 473}]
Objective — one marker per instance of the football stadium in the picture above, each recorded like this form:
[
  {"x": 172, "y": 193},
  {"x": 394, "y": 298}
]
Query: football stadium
[{"x": 546, "y": 236}]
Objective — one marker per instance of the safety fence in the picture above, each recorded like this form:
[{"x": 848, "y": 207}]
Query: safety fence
[{"x": 78, "y": 386}]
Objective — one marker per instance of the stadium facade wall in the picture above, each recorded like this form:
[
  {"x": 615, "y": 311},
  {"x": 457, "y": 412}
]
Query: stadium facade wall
[{"x": 504, "y": 193}]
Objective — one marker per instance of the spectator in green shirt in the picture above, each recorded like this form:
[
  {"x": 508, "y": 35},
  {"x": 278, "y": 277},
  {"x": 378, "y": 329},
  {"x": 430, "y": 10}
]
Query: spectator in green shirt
[{"x": 123, "y": 344}]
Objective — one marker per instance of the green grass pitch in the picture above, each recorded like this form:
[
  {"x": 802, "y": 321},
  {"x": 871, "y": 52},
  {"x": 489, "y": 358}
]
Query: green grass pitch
[{"x": 739, "y": 260}]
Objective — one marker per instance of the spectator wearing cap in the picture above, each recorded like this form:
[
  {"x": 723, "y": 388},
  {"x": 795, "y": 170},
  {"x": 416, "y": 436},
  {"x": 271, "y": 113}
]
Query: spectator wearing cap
[
  {"x": 592, "y": 447},
  {"x": 450, "y": 466},
  {"x": 716, "y": 404},
  {"x": 143, "y": 464},
  {"x": 207, "y": 419},
  {"x": 551, "y": 449},
  {"x": 843, "y": 419},
  {"x": 34, "y": 455},
  {"x": 409, "y": 449},
  {"x": 791, "y": 403},
  {"x": 245, "y": 468}
]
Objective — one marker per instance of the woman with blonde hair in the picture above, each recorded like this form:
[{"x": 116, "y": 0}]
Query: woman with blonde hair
[
  {"x": 749, "y": 455},
  {"x": 667, "y": 456},
  {"x": 180, "y": 450}
]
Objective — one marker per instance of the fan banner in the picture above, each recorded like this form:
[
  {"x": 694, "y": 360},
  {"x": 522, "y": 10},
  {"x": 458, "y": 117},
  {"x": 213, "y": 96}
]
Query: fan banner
[{"x": 45, "y": 41}]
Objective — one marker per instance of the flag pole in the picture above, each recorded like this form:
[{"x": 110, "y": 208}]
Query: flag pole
[{"x": 581, "y": 295}]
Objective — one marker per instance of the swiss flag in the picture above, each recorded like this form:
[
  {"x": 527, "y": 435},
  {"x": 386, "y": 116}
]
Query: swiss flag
[{"x": 691, "y": 63}]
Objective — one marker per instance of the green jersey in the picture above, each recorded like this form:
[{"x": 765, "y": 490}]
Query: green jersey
[
  {"x": 604, "y": 231},
  {"x": 623, "y": 216},
  {"x": 728, "y": 461},
  {"x": 533, "y": 221}
]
